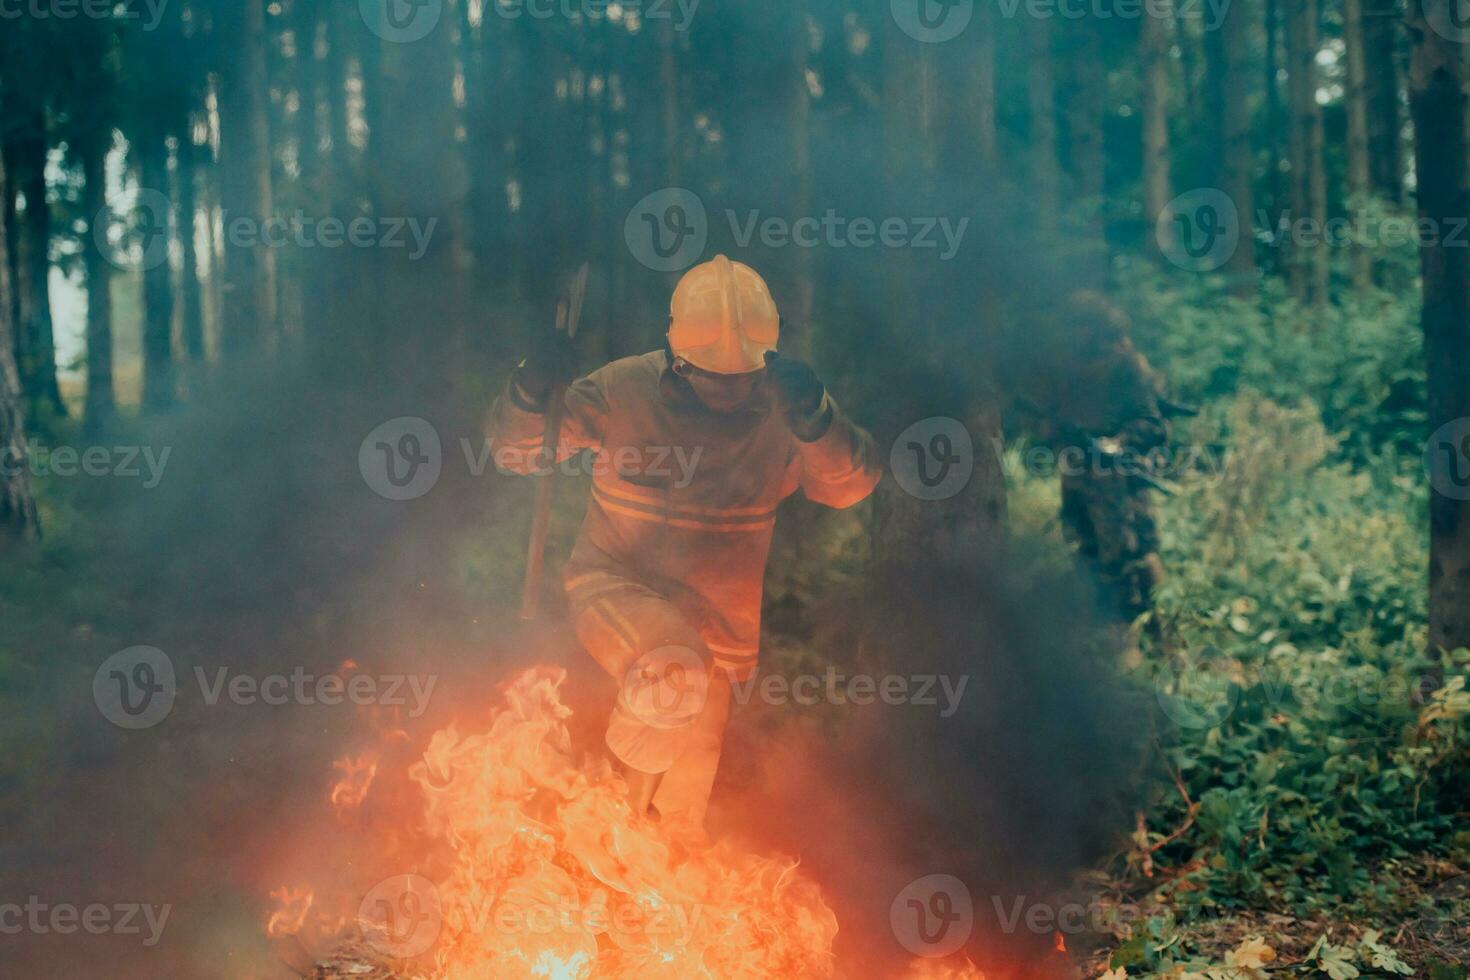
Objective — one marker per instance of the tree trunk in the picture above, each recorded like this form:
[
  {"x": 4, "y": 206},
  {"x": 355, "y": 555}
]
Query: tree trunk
[
  {"x": 938, "y": 323},
  {"x": 158, "y": 294},
  {"x": 1154, "y": 62},
  {"x": 1086, "y": 107},
  {"x": 18, "y": 519},
  {"x": 1385, "y": 111},
  {"x": 668, "y": 77},
  {"x": 191, "y": 327},
  {"x": 1439, "y": 85},
  {"x": 37, "y": 339},
  {"x": 768, "y": 154},
  {"x": 12, "y": 264},
  {"x": 101, "y": 401},
  {"x": 1359, "y": 176},
  {"x": 423, "y": 175},
  {"x": 214, "y": 303},
  {"x": 980, "y": 83},
  {"x": 1237, "y": 172},
  {"x": 1041, "y": 98},
  {"x": 1309, "y": 264},
  {"x": 799, "y": 192},
  {"x": 249, "y": 308},
  {"x": 1275, "y": 118}
]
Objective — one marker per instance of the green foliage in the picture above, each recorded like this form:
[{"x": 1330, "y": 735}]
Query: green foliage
[
  {"x": 1296, "y": 604},
  {"x": 1360, "y": 361},
  {"x": 1294, "y": 611}
]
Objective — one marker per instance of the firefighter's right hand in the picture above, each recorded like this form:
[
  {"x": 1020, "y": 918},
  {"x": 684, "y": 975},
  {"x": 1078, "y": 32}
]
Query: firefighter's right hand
[{"x": 552, "y": 362}]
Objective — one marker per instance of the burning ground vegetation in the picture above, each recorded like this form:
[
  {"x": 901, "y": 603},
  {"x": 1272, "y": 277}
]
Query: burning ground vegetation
[{"x": 522, "y": 862}]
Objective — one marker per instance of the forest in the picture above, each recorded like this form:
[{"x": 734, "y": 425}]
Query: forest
[{"x": 1075, "y": 581}]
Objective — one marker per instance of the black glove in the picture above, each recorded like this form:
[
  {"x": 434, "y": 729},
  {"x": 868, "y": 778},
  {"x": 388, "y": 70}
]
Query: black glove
[
  {"x": 798, "y": 394},
  {"x": 552, "y": 362}
]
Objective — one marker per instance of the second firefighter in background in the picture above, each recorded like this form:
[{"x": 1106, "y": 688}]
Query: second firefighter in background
[{"x": 665, "y": 580}]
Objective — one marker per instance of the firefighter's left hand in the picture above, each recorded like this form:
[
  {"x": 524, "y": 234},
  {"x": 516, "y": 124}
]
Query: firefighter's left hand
[{"x": 797, "y": 389}]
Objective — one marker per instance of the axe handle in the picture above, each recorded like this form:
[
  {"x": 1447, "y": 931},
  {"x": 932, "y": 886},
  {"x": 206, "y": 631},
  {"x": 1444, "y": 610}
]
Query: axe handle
[{"x": 541, "y": 513}]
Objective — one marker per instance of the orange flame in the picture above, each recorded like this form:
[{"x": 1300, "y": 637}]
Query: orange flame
[
  {"x": 292, "y": 906},
  {"x": 946, "y": 969},
  {"x": 357, "y": 779},
  {"x": 555, "y": 876},
  {"x": 526, "y": 863},
  {"x": 551, "y": 874}
]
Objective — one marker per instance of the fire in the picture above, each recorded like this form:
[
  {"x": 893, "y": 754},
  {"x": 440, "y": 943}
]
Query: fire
[
  {"x": 357, "y": 779},
  {"x": 943, "y": 970},
  {"x": 290, "y": 914},
  {"x": 533, "y": 866}
]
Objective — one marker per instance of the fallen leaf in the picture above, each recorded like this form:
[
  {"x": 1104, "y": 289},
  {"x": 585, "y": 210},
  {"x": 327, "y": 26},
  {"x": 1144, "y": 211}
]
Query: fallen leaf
[{"x": 1252, "y": 954}]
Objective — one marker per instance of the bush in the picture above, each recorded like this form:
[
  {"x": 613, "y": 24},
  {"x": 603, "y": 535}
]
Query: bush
[{"x": 1361, "y": 361}]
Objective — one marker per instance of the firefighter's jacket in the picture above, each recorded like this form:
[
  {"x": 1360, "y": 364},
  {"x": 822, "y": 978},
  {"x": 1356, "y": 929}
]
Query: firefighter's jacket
[{"x": 683, "y": 498}]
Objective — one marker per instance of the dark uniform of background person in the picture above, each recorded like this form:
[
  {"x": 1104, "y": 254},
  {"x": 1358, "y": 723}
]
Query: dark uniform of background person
[{"x": 1100, "y": 410}]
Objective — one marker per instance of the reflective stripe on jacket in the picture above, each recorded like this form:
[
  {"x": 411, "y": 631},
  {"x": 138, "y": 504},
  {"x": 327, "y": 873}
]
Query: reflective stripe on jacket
[{"x": 684, "y": 499}]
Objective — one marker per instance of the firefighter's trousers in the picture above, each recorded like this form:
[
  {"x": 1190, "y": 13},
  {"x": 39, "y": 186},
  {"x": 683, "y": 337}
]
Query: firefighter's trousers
[{"x": 672, "y": 704}]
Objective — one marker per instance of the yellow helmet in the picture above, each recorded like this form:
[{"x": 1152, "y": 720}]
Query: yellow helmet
[{"x": 722, "y": 318}]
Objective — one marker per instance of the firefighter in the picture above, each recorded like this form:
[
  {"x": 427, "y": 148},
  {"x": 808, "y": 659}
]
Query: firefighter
[
  {"x": 1102, "y": 407},
  {"x": 694, "y": 448}
]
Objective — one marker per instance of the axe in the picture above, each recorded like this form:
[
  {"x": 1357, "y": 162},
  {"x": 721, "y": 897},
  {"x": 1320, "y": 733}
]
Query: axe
[{"x": 568, "y": 315}]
